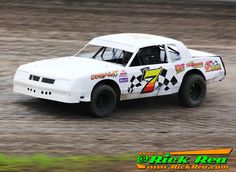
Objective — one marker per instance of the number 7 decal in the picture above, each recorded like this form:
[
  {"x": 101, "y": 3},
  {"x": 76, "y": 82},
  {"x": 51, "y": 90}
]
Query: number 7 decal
[{"x": 153, "y": 74}]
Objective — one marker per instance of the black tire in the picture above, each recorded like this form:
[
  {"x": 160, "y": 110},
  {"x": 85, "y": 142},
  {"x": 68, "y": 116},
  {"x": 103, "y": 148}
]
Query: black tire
[
  {"x": 103, "y": 101},
  {"x": 192, "y": 91}
]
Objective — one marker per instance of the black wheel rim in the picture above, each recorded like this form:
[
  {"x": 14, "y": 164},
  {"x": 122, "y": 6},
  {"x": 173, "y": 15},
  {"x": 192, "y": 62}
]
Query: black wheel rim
[
  {"x": 104, "y": 100},
  {"x": 195, "y": 91}
]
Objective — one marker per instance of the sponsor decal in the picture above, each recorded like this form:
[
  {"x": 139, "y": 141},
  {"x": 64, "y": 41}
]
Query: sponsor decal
[
  {"x": 212, "y": 66},
  {"x": 105, "y": 75},
  {"x": 151, "y": 80},
  {"x": 121, "y": 80},
  {"x": 195, "y": 64},
  {"x": 211, "y": 159},
  {"x": 123, "y": 74},
  {"x": 179, "y": 68}
]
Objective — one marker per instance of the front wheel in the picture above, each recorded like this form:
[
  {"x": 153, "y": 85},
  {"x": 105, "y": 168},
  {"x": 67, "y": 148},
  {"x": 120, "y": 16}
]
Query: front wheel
[
  {"x": 103, "y": 101},
  {"x": 192, "y": 91}
]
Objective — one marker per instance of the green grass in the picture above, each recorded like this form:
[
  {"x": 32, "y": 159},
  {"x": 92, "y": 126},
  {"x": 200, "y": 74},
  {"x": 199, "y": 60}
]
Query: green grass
[{"x": 46, "y": 163}]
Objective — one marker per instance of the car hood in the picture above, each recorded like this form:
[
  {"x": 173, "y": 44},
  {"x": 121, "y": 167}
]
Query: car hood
[{"x": 68, "y": 67}]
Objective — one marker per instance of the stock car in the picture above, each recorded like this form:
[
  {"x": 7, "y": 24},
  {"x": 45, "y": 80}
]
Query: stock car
[{"x": 119, "y": 67}]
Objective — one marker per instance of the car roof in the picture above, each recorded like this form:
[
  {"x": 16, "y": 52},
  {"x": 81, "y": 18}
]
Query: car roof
[{"x": 135, "y": 40}]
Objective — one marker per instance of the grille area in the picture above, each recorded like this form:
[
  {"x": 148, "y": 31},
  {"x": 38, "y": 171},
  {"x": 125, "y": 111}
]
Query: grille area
[
  {"x": 36, "y": 91},
  {"x": 45, "y": 80},
  {"x": 48, "y": 80},
  {"x": 34, "y": 77}
]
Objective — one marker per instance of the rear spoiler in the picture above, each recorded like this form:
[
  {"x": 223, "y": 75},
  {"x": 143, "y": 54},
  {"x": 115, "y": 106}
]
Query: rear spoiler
[{"x": 223, "y": 64}]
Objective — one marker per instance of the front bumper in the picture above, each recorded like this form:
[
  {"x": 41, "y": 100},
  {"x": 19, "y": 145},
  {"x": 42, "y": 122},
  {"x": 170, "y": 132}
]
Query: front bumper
[{"x": 45, "y": 91}]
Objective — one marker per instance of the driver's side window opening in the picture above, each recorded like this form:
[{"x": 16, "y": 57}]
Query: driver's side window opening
[{"x": 150, "y": 55}]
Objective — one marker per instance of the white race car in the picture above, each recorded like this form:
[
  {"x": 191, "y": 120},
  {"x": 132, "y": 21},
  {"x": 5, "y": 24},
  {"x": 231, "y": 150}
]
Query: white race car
[{"x": 119, "y": 67}]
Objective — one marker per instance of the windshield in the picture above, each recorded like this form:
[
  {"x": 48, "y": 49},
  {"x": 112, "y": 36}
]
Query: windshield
[{"x": 107, "y": 54}]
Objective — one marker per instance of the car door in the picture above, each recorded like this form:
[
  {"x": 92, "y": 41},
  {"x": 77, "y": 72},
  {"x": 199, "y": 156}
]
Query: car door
[{"x": 150, "y": 73}]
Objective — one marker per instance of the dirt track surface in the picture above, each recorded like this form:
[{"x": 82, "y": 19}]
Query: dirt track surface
[{"x": 35, "y": 31}]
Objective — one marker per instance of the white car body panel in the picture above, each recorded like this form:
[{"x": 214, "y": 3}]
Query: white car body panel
[{"x": 73, "y": 78}]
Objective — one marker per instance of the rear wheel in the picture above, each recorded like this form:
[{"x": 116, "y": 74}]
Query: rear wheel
[
  {"x": 192, "y": 91},
  {"x": 103, "y": 101}
]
